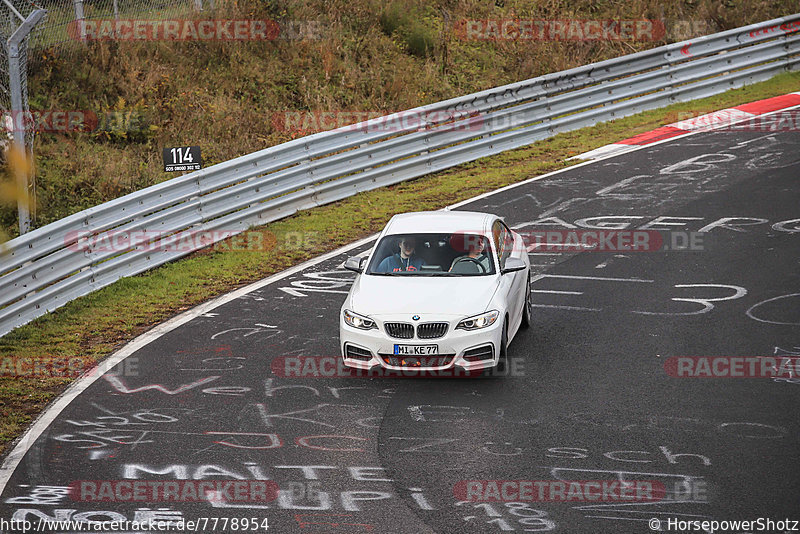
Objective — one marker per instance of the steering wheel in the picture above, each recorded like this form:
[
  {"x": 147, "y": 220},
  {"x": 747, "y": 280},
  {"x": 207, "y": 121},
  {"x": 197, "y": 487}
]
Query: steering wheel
[{"x": 473, "y": 260}]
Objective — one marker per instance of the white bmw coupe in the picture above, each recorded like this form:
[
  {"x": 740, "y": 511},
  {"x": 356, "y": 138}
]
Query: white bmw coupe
[{"x": 440, "y": 290}]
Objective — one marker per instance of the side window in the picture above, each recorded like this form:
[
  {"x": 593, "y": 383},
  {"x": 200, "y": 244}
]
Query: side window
[
  {"x": 497, "y": 237},
  {"x": 501, "y": 235},
  {"x": 508, "y": 247}
]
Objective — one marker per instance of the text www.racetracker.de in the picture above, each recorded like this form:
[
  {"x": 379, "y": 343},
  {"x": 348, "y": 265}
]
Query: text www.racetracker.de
[{"x": 201, "y": 524}]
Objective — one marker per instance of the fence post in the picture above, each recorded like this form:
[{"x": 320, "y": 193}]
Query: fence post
[
  {"x": 116, "y": 10},
  {"x": 18, "y": 145},
  {"x": 198, "y": 5},
  {"x": 79, "y": 18},
  {"x": 15, "y": 74}
]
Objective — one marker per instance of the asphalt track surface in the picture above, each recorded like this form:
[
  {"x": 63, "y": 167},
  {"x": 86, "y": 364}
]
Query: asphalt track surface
[{"x": 589, "y": 398}]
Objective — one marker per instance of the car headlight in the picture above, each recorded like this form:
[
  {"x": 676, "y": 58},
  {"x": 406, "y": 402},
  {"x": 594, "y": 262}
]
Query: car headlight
[
  {"x": 359, "y": 321},
  {"x": 479, "y": 321}
]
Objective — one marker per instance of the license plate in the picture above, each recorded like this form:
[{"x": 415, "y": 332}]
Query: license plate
[{"x": 416, "y": 350}]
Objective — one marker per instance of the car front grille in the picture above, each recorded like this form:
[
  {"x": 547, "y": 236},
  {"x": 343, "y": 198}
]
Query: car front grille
[
  {"x": 421, "y": 362},
  {"x": 357, "y": 353},
  {"x": 423, "y": 331},
  {"x": 431, "y": 330},
  {"x": 400, "y": 330}
]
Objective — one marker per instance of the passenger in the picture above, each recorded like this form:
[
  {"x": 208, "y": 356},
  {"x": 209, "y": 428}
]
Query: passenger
[{"x": 475, "y": 257}]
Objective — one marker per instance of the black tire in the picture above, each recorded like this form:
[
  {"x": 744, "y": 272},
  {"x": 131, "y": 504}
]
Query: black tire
[
  {"x": 502, "y": 361},
  {"x": 527, "y": 310}
]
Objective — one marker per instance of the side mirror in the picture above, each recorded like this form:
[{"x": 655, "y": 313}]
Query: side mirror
[
  {"x": 513, "y": 265},
  {"x": 354, "y": 264}
]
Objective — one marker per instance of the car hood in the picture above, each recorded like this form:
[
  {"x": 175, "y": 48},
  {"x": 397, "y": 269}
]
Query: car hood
[{"x": 423, "y": 295}]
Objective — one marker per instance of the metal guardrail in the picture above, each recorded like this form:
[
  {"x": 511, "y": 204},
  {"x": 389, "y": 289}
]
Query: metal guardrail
[{"x": 50, "y": 266}]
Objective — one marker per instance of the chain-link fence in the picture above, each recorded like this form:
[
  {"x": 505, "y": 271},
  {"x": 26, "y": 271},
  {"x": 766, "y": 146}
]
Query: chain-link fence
[
  {"x": 17, "y": 20},
  {"x": 31, "y": 26},
  {"x": 12, "y": 14},
  {"x": 60, "y": 26}
]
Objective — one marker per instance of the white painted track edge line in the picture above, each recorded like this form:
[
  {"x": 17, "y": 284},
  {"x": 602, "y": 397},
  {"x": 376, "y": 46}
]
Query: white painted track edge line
[
  {"x": 42, "y": 422},
  {"x": 609, "y": 156},
  {"x": 590, "y": 157},
  {"x": 21, "y": 445},
  {"x": 689, "y": 132}
]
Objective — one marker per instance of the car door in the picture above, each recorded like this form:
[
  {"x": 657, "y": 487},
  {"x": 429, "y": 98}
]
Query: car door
[
  {"x": 514, "y": 249},
  {"x": 512, "y": 285}
]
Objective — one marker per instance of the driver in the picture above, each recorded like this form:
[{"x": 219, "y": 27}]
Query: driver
[
  {"x": 475, "y": 248},
  {"x": 405, "y": 260}
]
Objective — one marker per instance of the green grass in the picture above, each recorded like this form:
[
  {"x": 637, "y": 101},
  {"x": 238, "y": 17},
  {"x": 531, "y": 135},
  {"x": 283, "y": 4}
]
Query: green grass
[
  {"x": 93, "y": 326},
  {"x": 374, "y": 56}
]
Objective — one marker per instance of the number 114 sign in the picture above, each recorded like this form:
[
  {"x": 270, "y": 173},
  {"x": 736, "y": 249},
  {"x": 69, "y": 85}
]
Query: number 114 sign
[{"x": 182, "y": 158}]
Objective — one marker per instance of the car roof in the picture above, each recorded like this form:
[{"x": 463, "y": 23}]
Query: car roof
[{"x": 423, "y": 222}]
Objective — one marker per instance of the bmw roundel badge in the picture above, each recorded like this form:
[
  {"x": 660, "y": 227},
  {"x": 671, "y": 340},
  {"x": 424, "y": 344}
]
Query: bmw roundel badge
[{"x": 416, "y": 317}]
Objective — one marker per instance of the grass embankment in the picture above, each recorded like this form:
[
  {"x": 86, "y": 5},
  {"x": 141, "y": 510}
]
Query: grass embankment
[
  {"x": 230, "y": 97},
  {"x": 93, "y": 326}
]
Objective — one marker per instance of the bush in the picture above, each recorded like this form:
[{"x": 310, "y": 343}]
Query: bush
[
  {"x": 417, "y": 32},
  {"x": 420, "y": 40}
]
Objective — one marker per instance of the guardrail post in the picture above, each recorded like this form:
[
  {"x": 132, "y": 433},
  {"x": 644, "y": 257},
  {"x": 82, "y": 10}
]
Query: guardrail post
[
  {"x": 786, "y": 53},
  {"x": 670, "y": 63},
  {"x": 365, "y": 145}
]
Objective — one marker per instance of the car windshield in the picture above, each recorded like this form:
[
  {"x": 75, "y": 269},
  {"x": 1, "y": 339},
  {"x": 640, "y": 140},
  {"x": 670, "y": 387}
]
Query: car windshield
[{"x": 454, "y": 254}]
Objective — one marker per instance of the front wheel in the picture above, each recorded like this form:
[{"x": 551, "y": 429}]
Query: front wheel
[
  {"x": 501, "y": 367},
  {"x": 527, "y": 309},
  {"x": 502, "y": 359}
]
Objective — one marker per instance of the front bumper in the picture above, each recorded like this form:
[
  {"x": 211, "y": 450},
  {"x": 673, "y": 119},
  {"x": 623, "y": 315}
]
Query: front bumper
[{"x": 467, "y": 349}]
